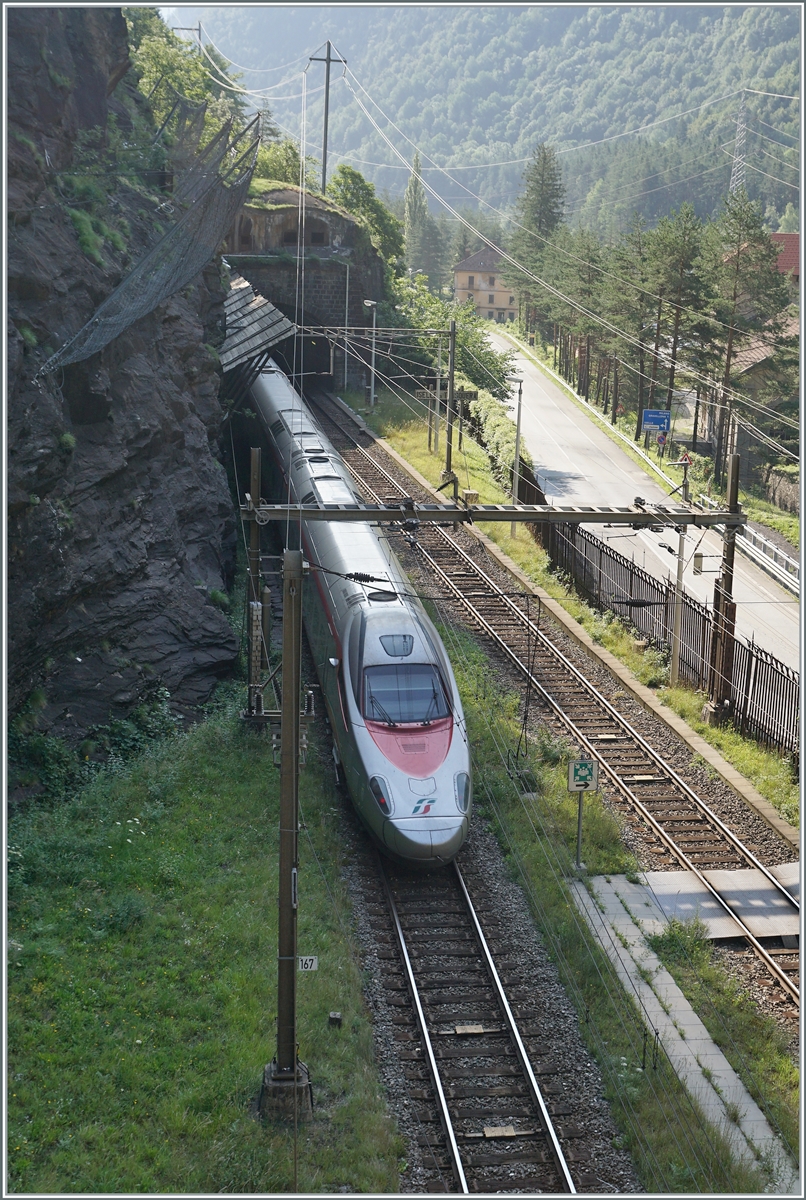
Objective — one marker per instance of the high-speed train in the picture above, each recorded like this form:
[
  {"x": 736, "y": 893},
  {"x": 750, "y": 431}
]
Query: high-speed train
[{"x": 399, "y": 731}]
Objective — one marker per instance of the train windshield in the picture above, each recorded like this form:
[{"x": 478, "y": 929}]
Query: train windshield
[{"x": 404, "y": 694}]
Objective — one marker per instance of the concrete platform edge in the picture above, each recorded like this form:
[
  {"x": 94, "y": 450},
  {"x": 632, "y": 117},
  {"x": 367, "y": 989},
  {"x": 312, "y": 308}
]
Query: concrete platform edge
[
  {"x": 702, "y": 1068},
  {"x": 644, "y": 695}
]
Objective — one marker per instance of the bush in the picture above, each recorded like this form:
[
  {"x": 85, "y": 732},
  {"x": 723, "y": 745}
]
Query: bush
[
  {"x": 492, "y": 426},
  {"x": 67, "y": 443}
]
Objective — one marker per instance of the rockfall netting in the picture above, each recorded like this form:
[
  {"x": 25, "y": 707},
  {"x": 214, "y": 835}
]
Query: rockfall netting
[{"x": 207, "y": 196}]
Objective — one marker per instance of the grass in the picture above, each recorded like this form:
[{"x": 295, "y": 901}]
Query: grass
[
  {"x": 402, "y": 425},
  {"x": 764, "y": 513},
  {"x": 773, "y": 775},
  {"x": 673, "y": 1148},
  {"x": 753, "y": 1043},
  {"x": 88, "y": 239},
  {"x": 141, "y": 996}
]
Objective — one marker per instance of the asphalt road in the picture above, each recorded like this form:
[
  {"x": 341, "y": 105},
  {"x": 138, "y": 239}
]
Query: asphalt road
[{"x": 576, "y": 462}]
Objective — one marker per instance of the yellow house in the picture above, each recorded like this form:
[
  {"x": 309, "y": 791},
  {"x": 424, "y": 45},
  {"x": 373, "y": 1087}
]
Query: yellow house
[{"x": 478, "y": 279}]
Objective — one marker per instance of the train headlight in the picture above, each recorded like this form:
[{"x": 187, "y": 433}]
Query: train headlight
[
  {"x": 380, "y": 790},
  {"x": 463, "y": 792}
]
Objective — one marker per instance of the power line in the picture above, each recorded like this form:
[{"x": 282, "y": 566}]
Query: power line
[
  {"x": 252, "y": 70},
  {"x": 782, "y": 132},
  {"x": 543, "y": 283}
]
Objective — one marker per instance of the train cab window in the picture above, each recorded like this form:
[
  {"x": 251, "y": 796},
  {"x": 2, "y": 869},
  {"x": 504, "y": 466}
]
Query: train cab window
[
  {"x": 404, "y": 694},
  {"x": 397, "y": 645}
]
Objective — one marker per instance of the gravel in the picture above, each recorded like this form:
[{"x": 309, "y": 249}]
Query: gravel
[{"x": 610, "y": 1168}]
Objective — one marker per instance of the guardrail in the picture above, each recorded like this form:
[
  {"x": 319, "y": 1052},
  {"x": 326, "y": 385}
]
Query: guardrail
[
  {"x": 783, "y": 569},
  {"x": 776, "y": 562}
]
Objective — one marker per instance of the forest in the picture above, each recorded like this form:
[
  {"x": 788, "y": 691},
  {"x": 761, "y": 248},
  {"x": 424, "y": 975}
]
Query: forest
[
  {"x": 484, "y": 84},
  {"x": 628, "y": 312}
]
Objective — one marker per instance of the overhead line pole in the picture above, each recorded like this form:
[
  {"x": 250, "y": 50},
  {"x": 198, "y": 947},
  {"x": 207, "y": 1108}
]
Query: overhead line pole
[
  {"x": 449, "y": 422},
  {"x": 286, "y": 1086},
  {"x": 327, "y": 60}
]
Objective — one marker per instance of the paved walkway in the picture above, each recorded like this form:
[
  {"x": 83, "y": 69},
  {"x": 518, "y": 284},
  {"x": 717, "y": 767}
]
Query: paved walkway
[{"x": 619, "y": 918}]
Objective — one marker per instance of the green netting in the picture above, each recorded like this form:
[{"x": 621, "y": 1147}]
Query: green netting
[{"x": 208, "y": 196}]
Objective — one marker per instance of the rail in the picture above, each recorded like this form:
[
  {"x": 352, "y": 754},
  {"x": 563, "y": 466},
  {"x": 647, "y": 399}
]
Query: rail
[
  {"x": 572, "y": 673},
  {"x": 765, "y": 691},
  {"x": 471, "y": 945}
]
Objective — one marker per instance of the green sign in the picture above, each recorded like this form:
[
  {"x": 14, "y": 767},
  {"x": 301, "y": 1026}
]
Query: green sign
[{"x": 583, "y": 775}]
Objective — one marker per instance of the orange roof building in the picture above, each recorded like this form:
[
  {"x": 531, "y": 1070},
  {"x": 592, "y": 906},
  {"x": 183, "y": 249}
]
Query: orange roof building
[{"x": 789, "y": 256}]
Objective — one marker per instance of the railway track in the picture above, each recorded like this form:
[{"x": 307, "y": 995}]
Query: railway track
[
  {"x": 477, "y": 1069},
  {"x": 685, "y": 829}
]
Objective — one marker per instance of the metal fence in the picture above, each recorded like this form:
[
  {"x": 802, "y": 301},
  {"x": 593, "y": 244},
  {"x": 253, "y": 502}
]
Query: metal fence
[{"x": 765, "y": 692}]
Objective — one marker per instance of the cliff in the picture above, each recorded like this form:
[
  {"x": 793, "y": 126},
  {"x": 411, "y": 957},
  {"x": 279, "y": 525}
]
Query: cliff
[{"x": 120, "y": 517}]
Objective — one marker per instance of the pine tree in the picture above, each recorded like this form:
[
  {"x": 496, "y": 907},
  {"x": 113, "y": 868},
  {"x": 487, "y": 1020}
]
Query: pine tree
[
  {"x": 743, "y": 262},
  {"x": 539, "y": 208},
  {"x": 538, "y": 212},
  {"x": 426, "y": 247}
]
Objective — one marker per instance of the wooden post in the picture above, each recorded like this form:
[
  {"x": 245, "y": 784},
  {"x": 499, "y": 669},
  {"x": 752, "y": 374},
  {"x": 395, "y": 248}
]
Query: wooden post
[
  {"x": 254, "y": 623},
  {"x": 286, "y": 1089},
  {"x": 725, "y": 618},
  {"x": 449, "y": 422}
]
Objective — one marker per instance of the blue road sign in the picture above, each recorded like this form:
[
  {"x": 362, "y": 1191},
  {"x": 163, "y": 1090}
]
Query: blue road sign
[{"x": 657, "y": 419}]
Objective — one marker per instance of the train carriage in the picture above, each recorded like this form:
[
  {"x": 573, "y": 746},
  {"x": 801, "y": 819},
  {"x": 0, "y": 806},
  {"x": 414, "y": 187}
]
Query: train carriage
[{"x": 399, "y": 732}]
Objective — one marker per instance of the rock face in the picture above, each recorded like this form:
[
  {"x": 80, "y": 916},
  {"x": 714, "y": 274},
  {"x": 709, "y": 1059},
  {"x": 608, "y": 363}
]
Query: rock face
[{"x": 120, "y": 517}]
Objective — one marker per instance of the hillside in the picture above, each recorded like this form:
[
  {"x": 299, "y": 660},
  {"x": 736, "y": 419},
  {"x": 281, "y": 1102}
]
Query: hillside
[{"x": 484, "y": 84}]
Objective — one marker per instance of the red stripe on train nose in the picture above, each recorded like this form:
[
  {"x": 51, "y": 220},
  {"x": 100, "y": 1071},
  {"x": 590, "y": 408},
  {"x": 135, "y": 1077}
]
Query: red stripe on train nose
[{"x": 419, "y": 750}]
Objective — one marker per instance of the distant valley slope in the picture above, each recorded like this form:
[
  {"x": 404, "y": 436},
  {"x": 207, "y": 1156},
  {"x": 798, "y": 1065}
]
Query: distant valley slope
[{"x": 484, "y": 84}]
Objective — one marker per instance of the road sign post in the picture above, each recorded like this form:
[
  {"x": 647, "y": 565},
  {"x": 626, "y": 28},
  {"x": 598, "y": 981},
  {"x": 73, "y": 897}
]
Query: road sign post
[{"x": 583, "y": 776}]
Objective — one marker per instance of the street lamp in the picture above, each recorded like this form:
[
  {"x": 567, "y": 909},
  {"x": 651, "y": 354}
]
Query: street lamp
[
  {"x": 516, "y": 471},
  {"x": 373, "y": 304}
]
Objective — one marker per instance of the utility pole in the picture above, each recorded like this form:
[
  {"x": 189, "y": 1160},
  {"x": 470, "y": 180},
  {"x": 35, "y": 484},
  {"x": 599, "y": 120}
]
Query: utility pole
[
  {"x": 190, "y": 29},
  {"x": 286, "y": 1086},
  {"x": 439, "y": 395},
  {"x": 517, "y": 465},
  {"x": 327, "y": 60},
  {"x": 722, "y": 646},
  {"x": 346, "y": 320},
  {"x": 737, "y": 175},
  {"x": 677, "y": 624},
  {"x": 449, "y": 422},
  {"x": 255, "y": 702},
  {"x": 373, "y": 304}
]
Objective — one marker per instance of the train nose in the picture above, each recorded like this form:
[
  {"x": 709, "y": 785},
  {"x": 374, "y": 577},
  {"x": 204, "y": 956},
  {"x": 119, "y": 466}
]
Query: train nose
[{"x": 429, "y": 841}]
